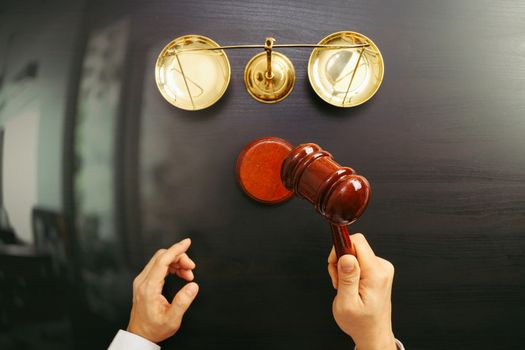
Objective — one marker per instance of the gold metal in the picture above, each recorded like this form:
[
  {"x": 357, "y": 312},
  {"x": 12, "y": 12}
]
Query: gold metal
[
  {"x": 192, "y": 73},
  {"x": 268, "y": 48},
  {"x": 346, "y": 77},
  {"x": 345, "y": 69},
  {"x": 278, "y": 46},
  {"x": 269, "y": 76}
]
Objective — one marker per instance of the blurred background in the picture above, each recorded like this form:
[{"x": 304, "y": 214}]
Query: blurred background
[{"x": 98, "y": 172}]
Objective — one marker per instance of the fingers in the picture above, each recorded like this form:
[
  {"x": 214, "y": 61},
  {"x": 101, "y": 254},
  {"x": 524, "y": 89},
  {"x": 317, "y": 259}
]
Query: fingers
[
  {"x": 181, "y": 302},
  {"x": 332, "y": 271},
  {"x": 183, "y": 262},
  {"x": 151, "y": 316},
  {"x": 332, "y": 258},
  {"x": 161, "y": 265},
  {"x": 332, "y": 267},
  {"x": 385, "y": 274},
  {"x": 377, "y": 271},
  {"x": 365, "y": 260},
  {"x": 364, "y": 253},
  {"x": 185, "y": 274},
  {"x": 183, "y": 267},
  {"x": 348, "y": 273},
  {"x": 142, "y": 275}
]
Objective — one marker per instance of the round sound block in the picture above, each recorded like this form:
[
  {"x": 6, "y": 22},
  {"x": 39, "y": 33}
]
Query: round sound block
[{"x": 259, "y": 170}]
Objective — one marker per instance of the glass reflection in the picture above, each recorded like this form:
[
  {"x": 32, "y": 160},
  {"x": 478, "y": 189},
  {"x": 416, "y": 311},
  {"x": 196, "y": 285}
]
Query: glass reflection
[
  {"x": 94, "y": 177},
  {"x": 64, "y": 280}
]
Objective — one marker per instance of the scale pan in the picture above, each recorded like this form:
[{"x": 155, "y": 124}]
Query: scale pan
[
  {"x": 190, "y": 74},
  {"x": 346, "y": 77}
]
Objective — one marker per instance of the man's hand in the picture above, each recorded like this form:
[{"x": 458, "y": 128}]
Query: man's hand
[
  {"x": 362, "y": 306},
  {"x": 152, "y": 316}
]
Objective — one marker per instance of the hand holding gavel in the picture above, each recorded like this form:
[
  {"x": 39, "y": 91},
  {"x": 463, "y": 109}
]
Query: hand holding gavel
[{"x": 270, "y": 171}]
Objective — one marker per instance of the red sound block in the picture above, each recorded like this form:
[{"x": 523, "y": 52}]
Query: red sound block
[{"x": 259, "y": 170}]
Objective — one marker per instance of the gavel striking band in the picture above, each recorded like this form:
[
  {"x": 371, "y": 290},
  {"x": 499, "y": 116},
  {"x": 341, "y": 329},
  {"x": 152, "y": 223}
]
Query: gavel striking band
[{"x": 338, "y": 193}]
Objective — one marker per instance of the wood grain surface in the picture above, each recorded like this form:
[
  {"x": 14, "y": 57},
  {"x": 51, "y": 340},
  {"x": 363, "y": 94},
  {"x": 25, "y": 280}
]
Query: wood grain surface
[{"x": 442, "y": 144}]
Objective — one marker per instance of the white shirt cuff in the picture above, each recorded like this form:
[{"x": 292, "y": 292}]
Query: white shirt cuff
[
  {"x": 129, "y": 341},
  {"x": 399, "y": 345}
]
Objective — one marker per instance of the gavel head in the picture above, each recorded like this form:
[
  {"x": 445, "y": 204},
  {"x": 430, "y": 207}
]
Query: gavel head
[{"x": 337, "y": 192}]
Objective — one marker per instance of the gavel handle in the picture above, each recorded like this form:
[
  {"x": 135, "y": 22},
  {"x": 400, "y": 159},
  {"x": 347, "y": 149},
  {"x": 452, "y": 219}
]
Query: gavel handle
[{"x": 341, "y": 239}]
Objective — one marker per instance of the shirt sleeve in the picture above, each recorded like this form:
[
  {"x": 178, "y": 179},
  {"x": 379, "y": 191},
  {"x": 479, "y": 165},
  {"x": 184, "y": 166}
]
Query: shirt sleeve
[
  {"x": 399, "y": 345},
  {"x": 129, "y": 341}
]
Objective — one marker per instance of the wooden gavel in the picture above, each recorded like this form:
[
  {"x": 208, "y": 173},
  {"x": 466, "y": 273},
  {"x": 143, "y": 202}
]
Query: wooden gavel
[{"x": 270, "y": 171}]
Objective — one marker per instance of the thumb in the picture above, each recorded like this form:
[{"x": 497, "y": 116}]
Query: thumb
[
  {"x": 348, "y": 273},
  {"x": 182, "y": 301}
]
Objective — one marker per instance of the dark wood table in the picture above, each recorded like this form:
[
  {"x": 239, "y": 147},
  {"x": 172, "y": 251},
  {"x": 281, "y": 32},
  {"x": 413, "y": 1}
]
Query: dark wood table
[{"x": 442, "y": 144}]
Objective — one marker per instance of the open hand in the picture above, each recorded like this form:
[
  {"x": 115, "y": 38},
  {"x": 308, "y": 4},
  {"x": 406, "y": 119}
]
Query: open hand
[{"x": 152, "y": 316}]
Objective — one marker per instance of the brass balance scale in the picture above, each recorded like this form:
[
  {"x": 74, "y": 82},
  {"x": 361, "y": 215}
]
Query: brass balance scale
[{"x": 345, "y": 69}]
